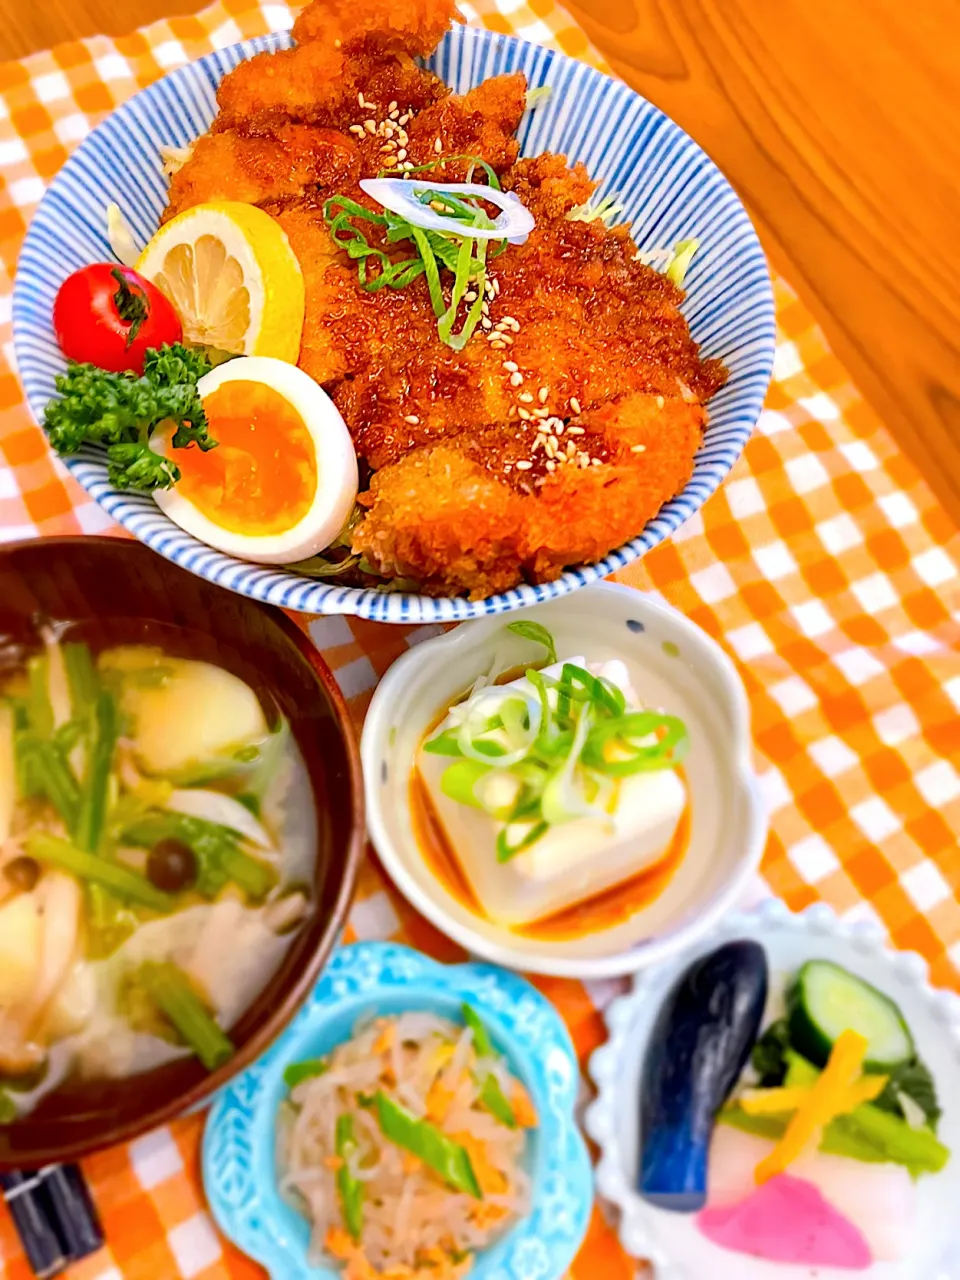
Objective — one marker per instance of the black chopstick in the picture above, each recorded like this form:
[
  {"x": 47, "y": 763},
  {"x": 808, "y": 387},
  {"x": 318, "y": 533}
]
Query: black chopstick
[
  {"x": 73, "y": 1213},
  {"x": 31, "y": 1217},
  {"x": 54, "y": 1216}
]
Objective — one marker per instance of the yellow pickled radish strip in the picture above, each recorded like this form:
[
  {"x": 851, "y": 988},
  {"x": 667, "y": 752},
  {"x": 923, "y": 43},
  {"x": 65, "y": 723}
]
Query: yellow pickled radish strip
[
  {"x": 768, "y": 1102},
  {"x": 826, "y": 1095}
]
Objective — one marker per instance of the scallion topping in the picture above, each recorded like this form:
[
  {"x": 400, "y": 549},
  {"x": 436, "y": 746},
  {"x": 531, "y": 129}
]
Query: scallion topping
[
  {"x": 532, "y": 761},
  {"x": 468, "y": 239}
]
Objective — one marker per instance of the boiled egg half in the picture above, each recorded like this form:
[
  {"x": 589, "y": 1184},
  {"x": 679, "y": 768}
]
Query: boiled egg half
[{"x": 282, "y": 480}]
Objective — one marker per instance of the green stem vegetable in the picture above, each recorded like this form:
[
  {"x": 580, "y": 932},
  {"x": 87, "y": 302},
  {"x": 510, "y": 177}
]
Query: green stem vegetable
[
  {"x": 444, "y": 1156},
  {"x": 349, "y": 1187},
  {"x": 492, "y": 1097},
  {"x": 175, "y": 996},
  {"x": 119, "y": 879},
  {"x": 306, "y": 1070},
  {"x": 216, "y": 848},
  {"x": 42, "y": 770},
  {"x": 105, "y": 729}
]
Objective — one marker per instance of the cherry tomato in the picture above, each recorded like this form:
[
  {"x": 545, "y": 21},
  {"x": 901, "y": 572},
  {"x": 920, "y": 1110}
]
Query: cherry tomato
[{"x": 110, "y": 316}]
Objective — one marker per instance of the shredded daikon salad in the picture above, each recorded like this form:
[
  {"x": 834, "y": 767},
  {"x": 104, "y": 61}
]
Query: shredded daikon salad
[{"x": 405, "y": 1147}]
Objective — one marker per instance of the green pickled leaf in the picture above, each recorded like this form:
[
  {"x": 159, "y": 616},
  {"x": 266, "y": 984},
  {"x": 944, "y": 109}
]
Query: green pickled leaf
[{"x": 308, "y": 1069}]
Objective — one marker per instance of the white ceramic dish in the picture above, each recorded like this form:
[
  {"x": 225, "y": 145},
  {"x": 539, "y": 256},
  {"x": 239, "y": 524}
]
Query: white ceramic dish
[
  {"x": 672, "y": 664},
  {"x": 671, "y": 1242}
]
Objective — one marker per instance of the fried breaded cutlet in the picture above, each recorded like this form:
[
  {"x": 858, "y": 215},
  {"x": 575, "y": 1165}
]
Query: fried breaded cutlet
[{"x": 575, "y": 409}]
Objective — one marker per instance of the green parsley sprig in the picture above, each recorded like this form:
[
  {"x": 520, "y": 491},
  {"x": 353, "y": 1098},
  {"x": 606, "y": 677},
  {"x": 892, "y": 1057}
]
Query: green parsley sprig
[{"x": 122, "y": 411}]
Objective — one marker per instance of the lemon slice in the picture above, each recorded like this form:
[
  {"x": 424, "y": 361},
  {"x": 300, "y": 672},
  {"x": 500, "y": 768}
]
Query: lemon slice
[{"x": 230, "y": 272}]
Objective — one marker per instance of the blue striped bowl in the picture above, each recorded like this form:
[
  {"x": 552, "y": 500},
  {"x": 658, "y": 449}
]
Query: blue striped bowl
[{"x": 670, "y": 189}]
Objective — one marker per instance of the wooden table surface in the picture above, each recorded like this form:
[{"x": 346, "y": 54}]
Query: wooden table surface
[{"x": 836, "y": 120}]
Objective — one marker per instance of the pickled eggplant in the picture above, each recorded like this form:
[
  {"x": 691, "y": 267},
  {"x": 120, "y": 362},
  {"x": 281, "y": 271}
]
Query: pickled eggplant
[{"x": 699, "y": 1046}]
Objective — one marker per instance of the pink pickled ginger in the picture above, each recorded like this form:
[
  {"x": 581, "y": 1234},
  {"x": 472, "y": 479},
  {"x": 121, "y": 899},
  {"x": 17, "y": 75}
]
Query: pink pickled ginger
[{"x": 788, "y": 1220}]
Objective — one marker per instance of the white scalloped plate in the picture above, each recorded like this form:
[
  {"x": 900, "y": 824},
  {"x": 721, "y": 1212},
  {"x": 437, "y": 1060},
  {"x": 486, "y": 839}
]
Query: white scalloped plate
[
  {"x": 673, "y": 664},
  {"x": 670, "y": 1241}
]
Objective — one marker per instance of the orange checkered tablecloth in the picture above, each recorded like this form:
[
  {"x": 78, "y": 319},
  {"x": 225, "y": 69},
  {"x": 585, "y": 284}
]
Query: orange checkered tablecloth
[{"x": 824, "y": 565}]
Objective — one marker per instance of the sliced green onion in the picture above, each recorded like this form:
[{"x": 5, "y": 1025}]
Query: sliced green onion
[
  {"x": 670, "y": 748},
  {"x": 458, "y": 782},
  {"x": 444, "y": 744},
  {"x": 561, "y": 801},
  {"x": 683, "y": 251},
  {"x": 506, "y": 851},
  {"x": 519, "y": 729},
  {"x": 539, "y": 634}
]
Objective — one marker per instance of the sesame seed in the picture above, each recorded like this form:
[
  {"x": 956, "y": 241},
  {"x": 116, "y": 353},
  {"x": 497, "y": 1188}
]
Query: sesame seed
[
  {"x": 583, "y": 459},
  {"x": 404, "y": 118},
  {"x": 485, "y": 308},
  {"x": 402, "y": 136},
  {"x": 510, "y": 366},
  {"x": 526, "y": 397},
  {"x": 499, "y": 346},
  {"x": 387, "y": 147},
  {"x": 575, "y": 405},
  {"x": 408, "y": 165},
  {"x": 542, "y": 395},
  {"x": 360, "y": 100},
  {"x": 412, "y": 419},
  {"x": 510, "y": 321},
  {"x": 487, "y": 324},
  {"x": 508, "y": 466},
  {"x": 507, "y": 338},
  {"x": 524, "y": 465},
  {"x": 496, "y": 286},
  {"x": 638, "y": 448},
  {"x": 402, "y": 154},
  {"x": 516, "y": 379},
  {"x": 576, "y": 431},
  {"x": 540, "y": 440},
  {"x": 523, "y": 413},
  {"x": 393, "y": 105},
  {"x": 550, "y": 446},
  {"x": 438, "y": 146},
  {"x": 596, "y": 462},
  {"x": 370, "y": 126},
  {"x": 571, "y": 449},
  {"x": 502, "y": 327},
  {"x": 357, "y": 128},
  {"x": 387, "y": 129},
  {"x": 470, "y": 295}
]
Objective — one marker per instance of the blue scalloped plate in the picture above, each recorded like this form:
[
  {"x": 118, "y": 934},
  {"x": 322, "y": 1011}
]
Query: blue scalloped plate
[
  {"x": 379, "y": 978},
  {"x": 670, "y": 190}
]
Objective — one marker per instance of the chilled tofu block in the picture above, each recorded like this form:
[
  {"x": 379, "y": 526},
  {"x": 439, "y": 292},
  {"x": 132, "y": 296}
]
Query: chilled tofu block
[{"x": 574, "y": 860}]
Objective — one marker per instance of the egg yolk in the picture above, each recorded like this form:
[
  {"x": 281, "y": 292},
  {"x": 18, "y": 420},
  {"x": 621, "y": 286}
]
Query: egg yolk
[{"x": 262, "y": 476}]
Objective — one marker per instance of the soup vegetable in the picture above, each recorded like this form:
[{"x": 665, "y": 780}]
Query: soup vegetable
[
  {"x": 156, "y": 848},
  {"x": 405, "y": 1147}
]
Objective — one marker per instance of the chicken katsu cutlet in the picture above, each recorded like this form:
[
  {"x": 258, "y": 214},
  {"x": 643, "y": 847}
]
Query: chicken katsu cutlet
[{"x": 575, "y": 408}]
